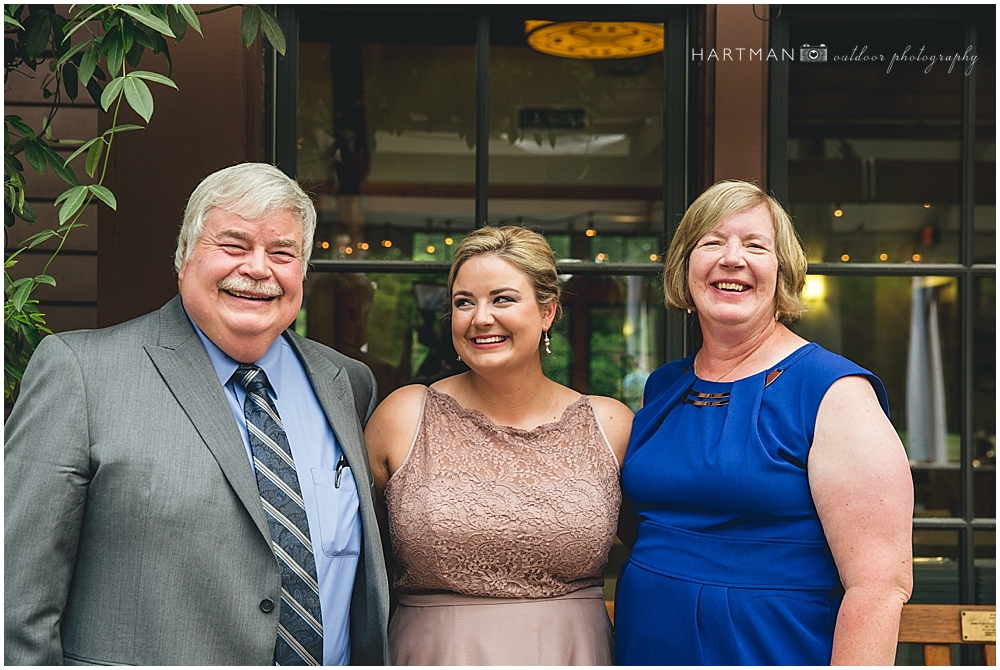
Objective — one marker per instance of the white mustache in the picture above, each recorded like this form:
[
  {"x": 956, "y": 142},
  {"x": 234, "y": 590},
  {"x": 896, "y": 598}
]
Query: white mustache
[{"x": 253, "y": 286}]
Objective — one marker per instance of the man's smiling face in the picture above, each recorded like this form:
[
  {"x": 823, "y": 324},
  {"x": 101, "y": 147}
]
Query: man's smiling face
[{"x": 242, "y": 284}]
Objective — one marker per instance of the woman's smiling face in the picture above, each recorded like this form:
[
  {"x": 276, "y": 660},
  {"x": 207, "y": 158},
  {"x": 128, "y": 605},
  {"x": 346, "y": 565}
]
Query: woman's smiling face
[
  {"x": 733, "y": 270},
  {"x": 495, "y": 318}
]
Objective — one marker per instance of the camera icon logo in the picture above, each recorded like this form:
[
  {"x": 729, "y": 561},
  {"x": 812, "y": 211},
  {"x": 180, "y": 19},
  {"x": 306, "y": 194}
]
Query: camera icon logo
[{"x": 809, "y": 54}]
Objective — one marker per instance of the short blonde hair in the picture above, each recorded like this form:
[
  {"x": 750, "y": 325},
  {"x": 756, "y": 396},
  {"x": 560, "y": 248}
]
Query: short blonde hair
[
  {"x": 251, "y": 191},
  {"x": 718, "y": 202},
  {"x": 526, "y": 250}
]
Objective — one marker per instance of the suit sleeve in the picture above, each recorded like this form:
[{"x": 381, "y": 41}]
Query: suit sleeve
[{"x": 46, "y": 475}]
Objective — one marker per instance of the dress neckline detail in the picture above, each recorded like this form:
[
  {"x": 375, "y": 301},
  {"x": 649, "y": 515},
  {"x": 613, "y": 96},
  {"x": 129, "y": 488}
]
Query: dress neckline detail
[
  {"x": 782, "y": 364},
  {"x": 485, "y": 421}
]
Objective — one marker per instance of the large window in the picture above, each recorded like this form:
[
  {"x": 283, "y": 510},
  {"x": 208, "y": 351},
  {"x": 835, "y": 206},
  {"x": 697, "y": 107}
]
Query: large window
[
  {"x": 883, "y": 147},
  {"x": 414, "y": 127}
]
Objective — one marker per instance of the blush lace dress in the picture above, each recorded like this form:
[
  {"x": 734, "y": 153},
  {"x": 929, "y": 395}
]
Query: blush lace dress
[{"x": 501, "y": 536}]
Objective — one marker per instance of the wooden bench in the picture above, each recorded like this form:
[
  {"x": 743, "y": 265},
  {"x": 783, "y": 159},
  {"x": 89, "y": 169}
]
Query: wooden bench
[{"x": 937, "y": 627}]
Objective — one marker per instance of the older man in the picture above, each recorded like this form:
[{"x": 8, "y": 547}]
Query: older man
[{"x": 192, "y": 487}]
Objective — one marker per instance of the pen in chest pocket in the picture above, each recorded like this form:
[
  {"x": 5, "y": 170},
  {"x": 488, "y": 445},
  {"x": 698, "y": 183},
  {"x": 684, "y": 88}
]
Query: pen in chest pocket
[{"x": 341, "y": 464}]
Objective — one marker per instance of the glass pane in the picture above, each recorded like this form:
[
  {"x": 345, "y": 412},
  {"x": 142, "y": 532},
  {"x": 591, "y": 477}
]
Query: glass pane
[
  {"x": 874, "y": 148},
  {"x": 905, "y": 330},
  {"x": 387, "y": 118},
  {"x": 986, "y": 147},
  {"x": 612, "y": 335},
  {"x": 935, "y": 566},
  {"x": 984, "y": 398},
  {"x": 576, "y": 146}
]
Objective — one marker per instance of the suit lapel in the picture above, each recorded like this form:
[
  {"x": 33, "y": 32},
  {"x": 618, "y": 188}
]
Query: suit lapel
[{"x": 187, "y": 371}]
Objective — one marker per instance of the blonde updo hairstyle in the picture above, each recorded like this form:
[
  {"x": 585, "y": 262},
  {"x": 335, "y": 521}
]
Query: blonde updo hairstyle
[
  {"x": 526, "y": 250},
  {"x": 718, "y": 202}
]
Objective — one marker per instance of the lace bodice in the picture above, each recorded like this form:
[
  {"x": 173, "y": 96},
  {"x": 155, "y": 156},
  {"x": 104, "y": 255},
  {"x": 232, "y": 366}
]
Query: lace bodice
[{"x": 490, "y": 510}]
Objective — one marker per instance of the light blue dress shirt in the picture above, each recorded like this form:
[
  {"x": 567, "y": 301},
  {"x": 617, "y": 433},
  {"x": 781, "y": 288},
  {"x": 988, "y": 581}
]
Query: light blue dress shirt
[{"x": 332, "y": 510}]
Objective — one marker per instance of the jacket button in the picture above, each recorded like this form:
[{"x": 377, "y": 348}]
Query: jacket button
[{"x": 266, "y": 605}]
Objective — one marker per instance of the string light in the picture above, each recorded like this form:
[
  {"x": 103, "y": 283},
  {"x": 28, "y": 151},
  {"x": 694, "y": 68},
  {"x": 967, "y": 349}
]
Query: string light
[
  {"x": 324, "y": 244},
  {"x": 590, "y": 232},
  {"x": 927, "y": 205},
  {"x": 430, "y": 249},
  {"x": 348, "y": 251},
  {"x": 883, "y": 257},
  {"x": 654, "y": 257},
  {"x": 838, "y": 212},
  {"x": 363, "y": 246},
  {"x": 845, "y": 257},
  {"x": 916, "y": 258},
  {"x": 448, "y": 241}
]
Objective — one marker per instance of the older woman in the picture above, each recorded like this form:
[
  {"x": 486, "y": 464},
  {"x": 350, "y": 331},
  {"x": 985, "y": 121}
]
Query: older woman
[
  {"x": 773, "y": 495},
  {"x": 501, "y": 485}
]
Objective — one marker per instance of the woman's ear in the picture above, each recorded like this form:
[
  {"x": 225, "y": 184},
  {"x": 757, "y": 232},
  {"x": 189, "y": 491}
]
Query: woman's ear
[{"x": 548, "y": 315}]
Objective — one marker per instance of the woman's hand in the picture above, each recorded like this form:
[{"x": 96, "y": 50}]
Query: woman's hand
[{"x": 863, "y": 491}]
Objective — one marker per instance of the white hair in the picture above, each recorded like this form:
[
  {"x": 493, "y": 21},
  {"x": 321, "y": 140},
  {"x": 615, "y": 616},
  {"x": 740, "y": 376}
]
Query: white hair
[{"x": 251, "y": 191}]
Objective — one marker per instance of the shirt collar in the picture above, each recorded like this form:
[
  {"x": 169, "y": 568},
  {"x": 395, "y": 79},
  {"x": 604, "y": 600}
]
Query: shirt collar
[{"x": 225, "y": 366}]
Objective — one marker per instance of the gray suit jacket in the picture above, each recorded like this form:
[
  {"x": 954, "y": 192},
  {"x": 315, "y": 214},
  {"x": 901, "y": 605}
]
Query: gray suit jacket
[{"x": 134, "y": 532}]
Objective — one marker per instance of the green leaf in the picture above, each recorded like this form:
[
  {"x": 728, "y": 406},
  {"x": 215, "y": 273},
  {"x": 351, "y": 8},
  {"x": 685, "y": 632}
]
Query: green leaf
[
  {"x": 35, "y": 154},
  {"x": 22, "y": 294},
  {"x": 12, "y": 22},
  {"x": 37, "y": 239},
  {"x": 27, "y": 213},
  {"x": 88, "y": 63},
  {"x": 138, "y": 96},
  {"x": 38, "y": 37},
  {"x": 104, "y": 195},
  {"x": 122, "y": 128},
  {"x": 176, "y": 22},
  {"x": 112, "y": 91},
  {"x": 142, "y": 36},
  {"x": 94, "y": 156},
  {"x": 144, "y": 17},
  {"x": 134, "y": 55},
  {"x": 190, "y": 16},
  {"x": 115, "y": 50},
  {"x": 45, "y": 279},
  {"x": 128, "y": 35},
  {"x": 272, "y": 31},
  {"x": 248, "y": 27},
  {"x": 72, "y": 51},
  {"x": 153, "y": 76},
  {"x": 75, "y": 198},
  {"x": 59, "y": 166},
  {"x": 20, "y": 126},
  {"x": 85, "y": 147},
  {"x": 70, "y": 79}
]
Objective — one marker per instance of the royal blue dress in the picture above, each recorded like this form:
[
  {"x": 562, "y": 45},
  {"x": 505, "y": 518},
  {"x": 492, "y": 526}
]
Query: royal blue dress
[{"x": 731, "y": 566}]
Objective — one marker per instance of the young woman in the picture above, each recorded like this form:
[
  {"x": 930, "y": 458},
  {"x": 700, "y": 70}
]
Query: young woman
[{"x": 501, "y": 485}]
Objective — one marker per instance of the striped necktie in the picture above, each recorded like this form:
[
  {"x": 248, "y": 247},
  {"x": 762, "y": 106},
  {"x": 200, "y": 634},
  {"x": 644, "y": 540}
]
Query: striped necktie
[{"x": 300, "y": 629}]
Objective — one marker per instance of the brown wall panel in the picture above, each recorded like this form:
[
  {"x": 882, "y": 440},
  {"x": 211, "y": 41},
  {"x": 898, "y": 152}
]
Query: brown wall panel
[
  {"x": 60, "y": 318},
  {"x": 83, "y": 238},
  {"x": 740, "y": 118},
  {"x": 75, "y": 275},
  {"x": 195, "y": 130}
]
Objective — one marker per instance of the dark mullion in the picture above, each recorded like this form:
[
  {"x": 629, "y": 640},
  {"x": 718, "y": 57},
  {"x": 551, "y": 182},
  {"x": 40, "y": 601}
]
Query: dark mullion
[
  {"x": 966, "y": 290},
  {"x": 675, "y": 123},
  {"x": 777, "y": 108},
  {"x": 285, "y": 105},
  {"x": 482, "y": 120}
]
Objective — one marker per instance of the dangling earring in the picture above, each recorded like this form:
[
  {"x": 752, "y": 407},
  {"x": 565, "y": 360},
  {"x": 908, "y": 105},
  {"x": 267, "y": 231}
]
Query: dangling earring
[
  {"x": 546, "y": 341},
  {"x": 458, "y": 358}
]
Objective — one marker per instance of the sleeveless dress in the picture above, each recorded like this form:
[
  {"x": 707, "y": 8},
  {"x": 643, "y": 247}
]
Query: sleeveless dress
[
  {"x": 731, "y": 566},
  {"x": 501, "y": 536}
]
